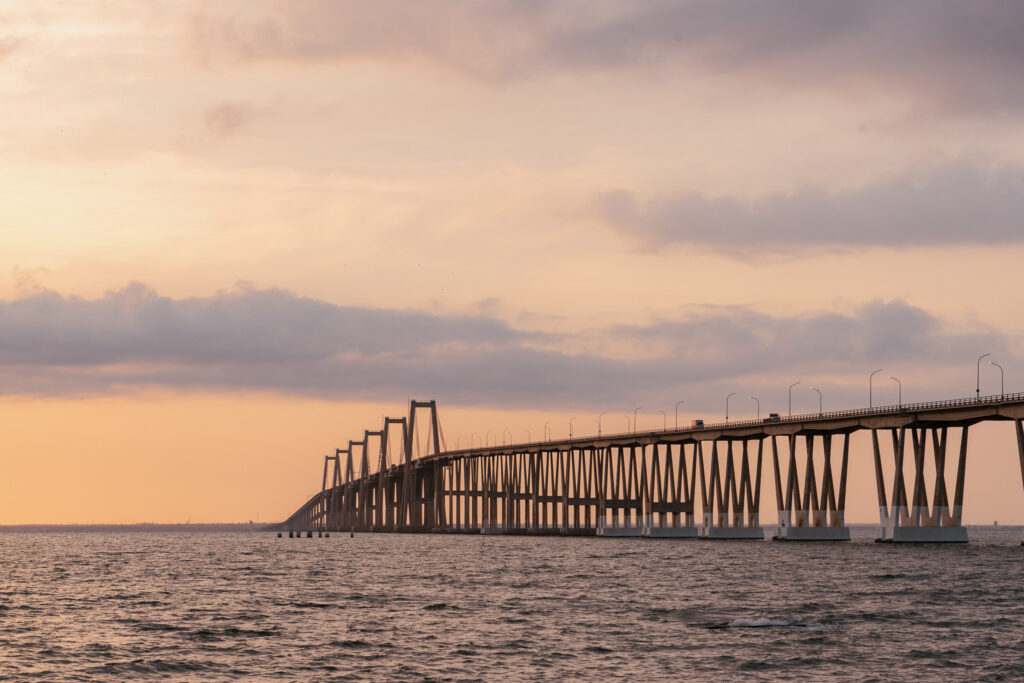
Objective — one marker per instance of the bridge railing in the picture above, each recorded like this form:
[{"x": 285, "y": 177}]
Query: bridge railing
[{"x": 879, "y": 411}]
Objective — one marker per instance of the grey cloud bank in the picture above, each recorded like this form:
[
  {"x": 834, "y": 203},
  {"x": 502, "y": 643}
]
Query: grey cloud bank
[
  {"x": 272, "y": 340},
  {"x": 954, "y": 55},
  {"x": 958, "y": 204}
]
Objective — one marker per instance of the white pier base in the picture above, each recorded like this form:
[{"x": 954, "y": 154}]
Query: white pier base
[
  {"x": 732, "y": 532},
  {"x": 812, "y": 533},
  {"x": 923, "y": 534},
  {"x": 672, "y": 532}
]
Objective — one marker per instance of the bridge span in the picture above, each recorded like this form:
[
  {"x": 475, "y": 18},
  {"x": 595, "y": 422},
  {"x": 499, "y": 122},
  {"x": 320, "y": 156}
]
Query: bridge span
[{"x": 695, "y": 482}]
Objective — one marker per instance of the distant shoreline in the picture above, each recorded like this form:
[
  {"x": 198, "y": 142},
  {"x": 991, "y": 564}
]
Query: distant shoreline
[{"x": 37, "y": 528}]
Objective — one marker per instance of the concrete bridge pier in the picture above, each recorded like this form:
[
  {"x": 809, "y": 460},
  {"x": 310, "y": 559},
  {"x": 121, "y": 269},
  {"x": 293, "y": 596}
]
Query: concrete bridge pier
[
  {"x": 622, "y": 496},
  {"x": 731, "y": 501},
  {"x": 819, "y": 514},
  {"x": 670, "y": 496},
  {"x": 912, "y": 519},
  {"x": 1019, "y": 428}
]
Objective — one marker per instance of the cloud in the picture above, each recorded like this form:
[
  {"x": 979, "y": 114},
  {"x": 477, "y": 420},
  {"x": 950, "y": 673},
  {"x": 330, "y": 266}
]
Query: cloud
[
  {"x": 271, "y": 340},
  {"x": 955, "y": 205},
  {"x": 228, "y": 117},
  {"x": 948, "y": 54}
]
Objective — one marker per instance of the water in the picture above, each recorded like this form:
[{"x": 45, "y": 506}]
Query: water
[{"x": 209, "y": 606}]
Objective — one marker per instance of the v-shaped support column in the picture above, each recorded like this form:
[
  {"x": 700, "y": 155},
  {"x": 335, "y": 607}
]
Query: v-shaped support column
[{"x": 913, "y": 519}]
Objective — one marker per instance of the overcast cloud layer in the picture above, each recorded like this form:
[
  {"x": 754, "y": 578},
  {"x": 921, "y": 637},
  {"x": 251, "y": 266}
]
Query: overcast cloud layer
[
  {"x": 271, "y": 340},
  {"x": 949, "y": 54},
  {"x": 956, "y": 205}
]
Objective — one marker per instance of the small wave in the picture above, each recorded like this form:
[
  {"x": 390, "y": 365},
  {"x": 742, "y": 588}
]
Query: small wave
[
  {"x": 249, "y": 632},
  {"x": 765, "y": 622},
  {"x": 312, "y": 605},
  {"x": 437, "y": 606},
  {"x": 349, "y": 643},
  {"x": 153, "y": 626},
  {"x": 761, "y": 623},
  {"x": 598, "y": 649}
]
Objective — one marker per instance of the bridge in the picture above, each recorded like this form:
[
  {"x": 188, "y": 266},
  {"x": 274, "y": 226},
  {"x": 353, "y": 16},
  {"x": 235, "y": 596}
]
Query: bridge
[{"x": 647, "y": 483}]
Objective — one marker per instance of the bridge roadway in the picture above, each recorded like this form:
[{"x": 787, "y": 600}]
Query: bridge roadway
[{"x": 645, "y": 483}]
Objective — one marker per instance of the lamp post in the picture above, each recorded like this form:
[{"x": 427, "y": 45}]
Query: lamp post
[
  {"x": 547, "y": 435},
  {"x": 977, "y": 387},
  {"x": 629, "y": 425},
  {"x": 599, "y": 422},
  {"x": 791, "y": 397},
  {"x": 731, "y": 394},
  {"x": 871, "y": 377},
  {"x": 529, "y": 439},
  {"x": 678, "y": 403},
  {"x": 570, "y": 425},
  {"x": 900, "y": 384},
  {"x": 506, "y": 429},
  {"x": 758, "y": 402},
  {"x": 487, "y": 438},
  {"x": 819, "y": 399},
  {"x": 664, "y": 421},
  {"x": 471, "y": 439},
  {"x": 1002, "y": 376},
  {"x": 634, "y": 417}
]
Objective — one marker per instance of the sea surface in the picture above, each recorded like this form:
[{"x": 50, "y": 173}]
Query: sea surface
[{"x": 229, "y": 606}]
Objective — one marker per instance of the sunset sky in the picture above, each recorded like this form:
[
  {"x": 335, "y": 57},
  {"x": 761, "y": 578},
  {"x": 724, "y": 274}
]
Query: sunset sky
[{"x": 236, "y": 234}]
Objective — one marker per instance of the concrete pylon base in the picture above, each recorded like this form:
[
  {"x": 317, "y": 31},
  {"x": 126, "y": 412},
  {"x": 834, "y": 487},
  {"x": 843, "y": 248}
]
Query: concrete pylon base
[
  {"x": 580, "y": 531},
  {"x": 812, "y": 533},
  {"x": 732, "y": 532},
  {"x": 620, "y": 532},
  {"x": 496, "y": 530},
  {"x": 671, "y": 532},
  {"x": 922, "y": 534}
]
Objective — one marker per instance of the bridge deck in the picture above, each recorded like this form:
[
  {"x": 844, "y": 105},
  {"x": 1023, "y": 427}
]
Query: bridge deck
[{"x": 953, "y": 412}]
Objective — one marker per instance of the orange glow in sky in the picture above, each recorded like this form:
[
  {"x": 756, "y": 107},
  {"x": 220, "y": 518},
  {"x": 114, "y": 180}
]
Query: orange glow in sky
[{"x": 239, "y": 234}]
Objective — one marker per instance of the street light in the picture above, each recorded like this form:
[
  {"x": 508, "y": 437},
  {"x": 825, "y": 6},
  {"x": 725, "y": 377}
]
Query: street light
[
  {"x": 634, "y": 417},
  {"x": 547, "y": 435},
  {"x": 506, "y": 429},
  {"x": 900, "y": 404},
  {"x": 599, "y": 422},
  {"x": 758, "y": 402},
  {"x": 570, "y": 425},
  {"x": 727, "y": 405},
  {"x": 977, "y": 387},
  {"x": 629, "y": 425},
  {"x": 471, "y": 439},
  {"x": 819, "y": 398},
  {"x": 791, "y": 397},
  {"x": 871, "y": 377},
  {"x": 487, "y": 439},
  {"x": 664, "y": 421},
  {"x": 1002, "y": 389},
  {"x": 529, "y": 439},
  {"x": 678, "y": 403}
]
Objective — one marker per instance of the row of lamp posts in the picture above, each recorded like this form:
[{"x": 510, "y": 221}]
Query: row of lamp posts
[{"x": 631, "y": 424}]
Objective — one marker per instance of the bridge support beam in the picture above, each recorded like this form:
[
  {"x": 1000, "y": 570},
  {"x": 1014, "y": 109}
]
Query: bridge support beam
[
  {"x": 1019, "y": 428},
  {"x": 669, "y": 498},
  {"x": 622, "y": 496},
  {"x": 731, "y": 501},
  {"x": 912, "y": 519},
  {"x": 819, "y": 514}
]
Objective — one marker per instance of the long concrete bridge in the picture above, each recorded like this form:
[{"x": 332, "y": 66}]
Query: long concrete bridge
[{"x": 647, "y": 483}]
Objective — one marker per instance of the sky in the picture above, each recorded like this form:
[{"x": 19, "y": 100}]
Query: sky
[{"x": 237, "y": 234}]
